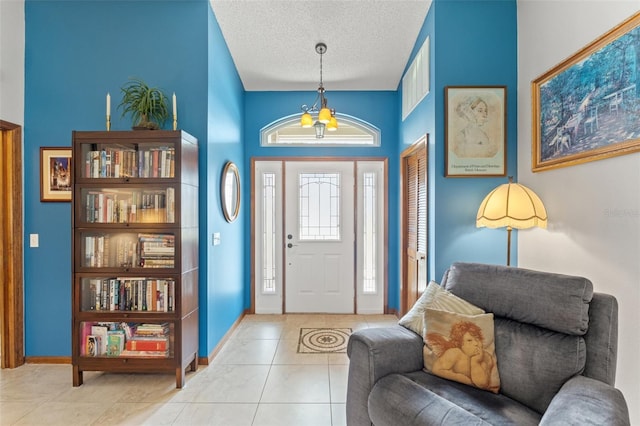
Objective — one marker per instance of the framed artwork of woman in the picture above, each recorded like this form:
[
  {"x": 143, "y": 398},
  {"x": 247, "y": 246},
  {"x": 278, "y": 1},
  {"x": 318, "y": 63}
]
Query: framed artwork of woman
[{"x": 475, "y": 131}]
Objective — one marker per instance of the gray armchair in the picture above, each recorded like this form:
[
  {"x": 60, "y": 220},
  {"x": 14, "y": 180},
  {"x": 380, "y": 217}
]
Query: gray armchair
[{"x": 556, "y": 348}]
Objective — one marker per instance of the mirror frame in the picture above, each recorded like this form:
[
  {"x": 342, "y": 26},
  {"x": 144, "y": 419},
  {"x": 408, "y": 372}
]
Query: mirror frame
[{"x": 230, "y": 171}]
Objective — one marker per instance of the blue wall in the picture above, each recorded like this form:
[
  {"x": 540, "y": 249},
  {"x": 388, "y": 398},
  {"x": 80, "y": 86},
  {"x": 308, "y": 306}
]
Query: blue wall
[
  {"x": 376, "y": 108},
  {"x": 222, "y": 294},
  {"x": 76, "y": 52},
  {"x": 473, "y": 43}
]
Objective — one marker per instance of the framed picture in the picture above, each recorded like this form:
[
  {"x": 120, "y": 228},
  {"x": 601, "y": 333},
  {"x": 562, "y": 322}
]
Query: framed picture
[
  {"x": 55, "y": 174},
  {"x": 475, "y": 131},
  {"x": 588, "y": 107}
]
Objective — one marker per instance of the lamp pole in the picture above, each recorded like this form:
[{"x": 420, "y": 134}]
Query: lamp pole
[{"x": 508, "y": 246}]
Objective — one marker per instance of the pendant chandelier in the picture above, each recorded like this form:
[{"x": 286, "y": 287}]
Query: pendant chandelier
[{"x": 326, "y": 117}]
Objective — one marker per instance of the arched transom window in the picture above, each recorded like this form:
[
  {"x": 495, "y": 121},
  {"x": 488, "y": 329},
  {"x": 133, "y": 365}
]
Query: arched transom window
[{"x": 351, "y": 132}]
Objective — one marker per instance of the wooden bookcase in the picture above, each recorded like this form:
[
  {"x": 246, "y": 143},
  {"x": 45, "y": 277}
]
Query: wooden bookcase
[{"x": 135, "y": 252}]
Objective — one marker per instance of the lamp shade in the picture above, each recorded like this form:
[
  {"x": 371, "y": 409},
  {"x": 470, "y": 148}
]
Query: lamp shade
[
  {"x": 332, "y": 126},
  {"x": 511, "y": 205},
  {"x": 324, "y": 116},
  {"x": 306, "y": 120}
]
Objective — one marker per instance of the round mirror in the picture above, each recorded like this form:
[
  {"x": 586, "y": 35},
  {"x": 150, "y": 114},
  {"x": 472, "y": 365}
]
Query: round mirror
[{"x": 230, "y": 191}]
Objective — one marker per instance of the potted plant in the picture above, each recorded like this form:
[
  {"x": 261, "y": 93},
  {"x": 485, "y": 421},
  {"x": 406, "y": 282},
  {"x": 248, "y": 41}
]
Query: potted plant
[{"x": 148, "y": 105}]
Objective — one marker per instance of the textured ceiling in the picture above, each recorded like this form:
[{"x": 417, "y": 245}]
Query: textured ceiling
[{"x": 273, "y": 42}]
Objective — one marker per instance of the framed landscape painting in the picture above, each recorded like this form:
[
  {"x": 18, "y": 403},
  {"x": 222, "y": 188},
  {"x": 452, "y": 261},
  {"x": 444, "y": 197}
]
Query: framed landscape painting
[
  {"x": 588, "y": 107},
  {"x": 55, "y": 174}
]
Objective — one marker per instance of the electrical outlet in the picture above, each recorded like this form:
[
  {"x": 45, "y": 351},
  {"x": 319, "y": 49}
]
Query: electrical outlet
[{"x": 34, "y": 240}]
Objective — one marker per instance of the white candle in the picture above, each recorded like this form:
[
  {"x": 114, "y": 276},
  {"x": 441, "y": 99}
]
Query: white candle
[
  {"x": 108, "y": 105},
  {"x": 175, "y": 108}
]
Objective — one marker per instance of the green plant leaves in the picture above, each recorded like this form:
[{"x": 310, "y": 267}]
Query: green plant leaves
[{"x": 148, "y": 106}]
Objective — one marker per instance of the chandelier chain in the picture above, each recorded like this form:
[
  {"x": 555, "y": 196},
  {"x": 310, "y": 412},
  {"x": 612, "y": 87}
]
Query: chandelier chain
[
  {"x": 326, "y": 116},
  {"x": 321, "y": 69}
]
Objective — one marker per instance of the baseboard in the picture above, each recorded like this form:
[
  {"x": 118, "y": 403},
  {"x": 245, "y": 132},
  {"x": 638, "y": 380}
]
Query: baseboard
[
  {"x": 392, "y": 312},
  {"x": 47, "y": 359},
  {"x": 209, "y": 359}
]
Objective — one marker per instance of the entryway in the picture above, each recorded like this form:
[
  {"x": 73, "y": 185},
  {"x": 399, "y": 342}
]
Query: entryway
[{"x": 319, "y": 229}]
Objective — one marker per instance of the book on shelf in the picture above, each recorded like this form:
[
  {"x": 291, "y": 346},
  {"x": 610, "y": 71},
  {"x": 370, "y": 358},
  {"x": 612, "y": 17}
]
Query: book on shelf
[
  {"x": 158, "y": 162},
  {"x": 115, "y": 342},
  {"x": 121, "y": 206},
  {"x": 102, "y": 333},
  {"x": 143, "y": 354},
  {"x": 122, "y": 339},
  {"x": 128, "y": 294},
  {"x": 85, "y": 331},
  {"x": 96, "y": 251},
  {"x": 156, "y": 250},
  {"x": 93, "y": 344},
  {"x": 140, "y": 343},
  {"x": 152, "y": 329}
]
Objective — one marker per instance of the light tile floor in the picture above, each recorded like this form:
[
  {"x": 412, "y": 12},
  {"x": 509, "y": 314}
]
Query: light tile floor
[{"x": 257, "y": 379}]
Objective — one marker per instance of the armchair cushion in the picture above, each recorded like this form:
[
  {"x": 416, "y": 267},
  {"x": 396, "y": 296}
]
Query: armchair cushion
[
  {"x": 552, "y": 301},
  {"x": 534, "y": 363}
]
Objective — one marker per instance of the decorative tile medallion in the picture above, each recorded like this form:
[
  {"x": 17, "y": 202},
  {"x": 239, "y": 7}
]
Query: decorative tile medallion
[{"x": 323, "y": 340}]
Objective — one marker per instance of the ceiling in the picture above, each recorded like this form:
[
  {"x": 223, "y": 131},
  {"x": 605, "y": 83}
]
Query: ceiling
[{"x": 272, "y": 42}]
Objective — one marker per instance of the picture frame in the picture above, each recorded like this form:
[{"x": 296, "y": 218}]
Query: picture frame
[
  {"x": 55, "y": 174},
  {"x": 587, "y": 108},
  {"x": 475, "y": 131}
]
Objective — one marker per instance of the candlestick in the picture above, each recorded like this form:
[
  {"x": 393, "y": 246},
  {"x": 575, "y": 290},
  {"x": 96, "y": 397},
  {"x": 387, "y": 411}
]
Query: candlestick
[
  {"x": 108, "y": 112},
  {"x": 175, "y": 113}
]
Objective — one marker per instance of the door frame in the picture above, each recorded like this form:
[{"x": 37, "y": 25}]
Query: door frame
[
  {"x": 11, "y": 246},
  {"x": 384, "y": 271},
  {"x": 418, "y": 145}
]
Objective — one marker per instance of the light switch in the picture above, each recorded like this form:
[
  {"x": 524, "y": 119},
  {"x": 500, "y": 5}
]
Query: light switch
[
  {"x": 34, "y": 241},
  {"x": 216, "y": 238}
]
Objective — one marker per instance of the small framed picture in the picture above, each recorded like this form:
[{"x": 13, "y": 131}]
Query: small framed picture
[
  {"x": 55, "y": 174},
  {"x": 475, "y": 131}
]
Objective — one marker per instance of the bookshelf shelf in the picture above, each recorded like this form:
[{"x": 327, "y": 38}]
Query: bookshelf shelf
[{"x": 135, "y": 252}]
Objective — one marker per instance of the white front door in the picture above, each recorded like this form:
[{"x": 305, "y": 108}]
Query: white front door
[{"x": 319, "y": 237}]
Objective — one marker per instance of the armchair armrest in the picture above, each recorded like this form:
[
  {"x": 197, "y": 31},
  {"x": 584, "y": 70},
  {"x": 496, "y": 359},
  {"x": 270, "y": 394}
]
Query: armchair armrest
[
  {"x": 585, "y": 401},
  {"x": 374, "y": 353}
]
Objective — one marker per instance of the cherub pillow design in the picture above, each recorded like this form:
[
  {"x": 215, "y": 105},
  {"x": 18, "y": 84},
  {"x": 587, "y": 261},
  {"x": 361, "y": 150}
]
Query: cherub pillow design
[{"x": 461, "y": 348}]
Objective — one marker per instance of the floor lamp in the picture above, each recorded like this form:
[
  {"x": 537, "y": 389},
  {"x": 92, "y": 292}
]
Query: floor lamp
[{"x": 511, "y": 205}]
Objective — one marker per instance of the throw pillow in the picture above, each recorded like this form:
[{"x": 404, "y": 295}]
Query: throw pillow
[
  {"x": 461, "y": 348},
  {"x": 435, "y": 297}
]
